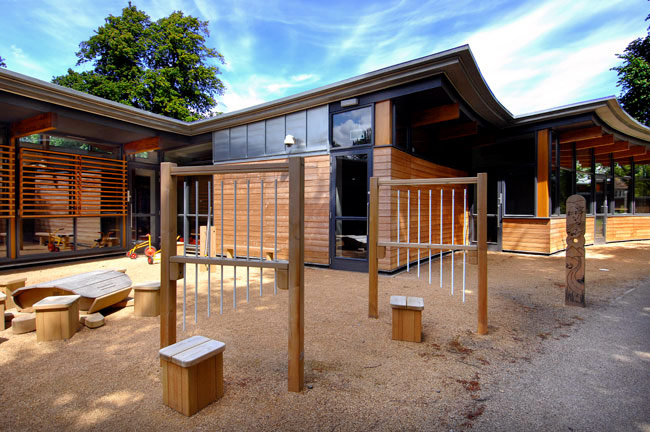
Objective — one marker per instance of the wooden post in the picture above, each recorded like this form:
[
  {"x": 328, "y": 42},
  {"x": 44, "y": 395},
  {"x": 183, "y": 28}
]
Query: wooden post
[
  {"x": 296, "y": 379},
  {"x": 168, "y": 275},
  {"x": 373, "y": 261},
  {"x": 575, "y": 250},
  {"x": 543, "y": 144},
  {"x": 482, "y": 254}
]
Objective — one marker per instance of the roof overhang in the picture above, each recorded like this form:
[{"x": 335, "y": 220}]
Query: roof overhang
[{"x": 457, "y": 65}]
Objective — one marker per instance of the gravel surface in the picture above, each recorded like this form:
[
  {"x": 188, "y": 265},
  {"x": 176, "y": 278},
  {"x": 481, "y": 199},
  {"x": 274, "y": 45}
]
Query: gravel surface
[{"x": 357, "y": 377}]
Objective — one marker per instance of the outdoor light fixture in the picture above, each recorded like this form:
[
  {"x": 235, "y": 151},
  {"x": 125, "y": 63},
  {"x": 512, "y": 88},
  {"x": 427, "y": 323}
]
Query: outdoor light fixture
[
  {"x": 349, "y": 102},
  {"x": 289, "y": 140}
]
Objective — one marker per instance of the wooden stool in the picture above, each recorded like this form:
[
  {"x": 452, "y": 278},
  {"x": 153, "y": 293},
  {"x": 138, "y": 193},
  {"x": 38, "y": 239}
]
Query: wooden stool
[
  {"x": 192, "y": 374},
  {"x": 147, "y": 299},
  {"x": 8, "y": 286},
  {"x": 57, "y": 317},
  {"x": 407, "y": 318},
  {"x": 3, "y": 299}
]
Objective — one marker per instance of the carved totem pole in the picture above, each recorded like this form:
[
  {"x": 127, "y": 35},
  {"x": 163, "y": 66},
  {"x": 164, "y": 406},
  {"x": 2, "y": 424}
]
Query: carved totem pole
[{"x": 575, "y": 250}]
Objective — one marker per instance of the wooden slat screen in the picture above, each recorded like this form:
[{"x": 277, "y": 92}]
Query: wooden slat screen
[
  {"x": 54, "y": 184},
  {"x": 7, "y": 182}
]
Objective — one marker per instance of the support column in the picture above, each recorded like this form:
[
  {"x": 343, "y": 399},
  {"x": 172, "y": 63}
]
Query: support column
[
  {"x": 543, "y": 186},
  {"x": 168, "y": 272},
  {"x": 296, "y": 379}
]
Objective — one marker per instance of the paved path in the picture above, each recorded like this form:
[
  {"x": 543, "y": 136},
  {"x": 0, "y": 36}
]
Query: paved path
[{"x": 598, "y": 379}]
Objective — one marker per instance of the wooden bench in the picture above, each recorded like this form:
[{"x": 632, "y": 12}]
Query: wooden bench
[
  {"x": 57, "y": 317},
  {"x": 3, "y": 299},
  {"x": 192, "y": 374},
  {"x": 8, "y": 286},
  {"x": 407, "y": 318},
  {"x": 146, "y": 299}
]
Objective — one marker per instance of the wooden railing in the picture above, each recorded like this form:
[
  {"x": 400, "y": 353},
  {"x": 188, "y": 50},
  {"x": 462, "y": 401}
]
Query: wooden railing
[
  {"x": 375, "y": 244},
  {"x": 172, "y": 264}
]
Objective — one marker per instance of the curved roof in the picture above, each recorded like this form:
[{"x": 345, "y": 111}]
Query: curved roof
[{"x": 457, "y": 65}]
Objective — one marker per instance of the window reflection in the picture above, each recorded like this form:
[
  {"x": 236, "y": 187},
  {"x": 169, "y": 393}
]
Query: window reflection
[{"x": 352, "y": 128}]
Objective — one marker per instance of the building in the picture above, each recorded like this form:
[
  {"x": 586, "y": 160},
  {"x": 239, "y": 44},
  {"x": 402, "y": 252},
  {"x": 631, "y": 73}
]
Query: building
[{"x": 80, "y": 173}]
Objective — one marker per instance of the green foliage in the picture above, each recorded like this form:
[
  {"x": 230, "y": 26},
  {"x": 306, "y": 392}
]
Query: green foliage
[
  {"x": 157, "y": 66},
  {"x": 2, "y": 62},
  {"x": 634, "y": 78}
]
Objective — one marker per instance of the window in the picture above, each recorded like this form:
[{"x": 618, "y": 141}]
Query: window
[
  {"x": 622, "y": 188},
  {"x": 352, "y": 128},
  {"x": 642, "y": 188}
]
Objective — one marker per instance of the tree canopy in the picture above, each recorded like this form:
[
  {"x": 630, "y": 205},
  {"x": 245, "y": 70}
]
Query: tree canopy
[
  {"x": 634, "y": 78},
  {"x": 2, "y": 62},
  {"x": 159, "y": 66}
]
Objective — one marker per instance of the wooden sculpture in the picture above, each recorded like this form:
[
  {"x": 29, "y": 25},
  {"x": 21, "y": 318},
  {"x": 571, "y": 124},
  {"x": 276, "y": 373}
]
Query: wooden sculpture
[{"x": 575, "y": 250}]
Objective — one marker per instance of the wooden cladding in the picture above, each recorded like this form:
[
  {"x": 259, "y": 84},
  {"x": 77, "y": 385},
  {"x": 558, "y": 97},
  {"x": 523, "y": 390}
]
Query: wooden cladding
[
  {"x": 543, "y": 187},
  {"x": 391, "y": 163},
  {"x": 7, "y": 182},
  {"x": 317, "y": 200},
  {"x": 55, "y": 184}
]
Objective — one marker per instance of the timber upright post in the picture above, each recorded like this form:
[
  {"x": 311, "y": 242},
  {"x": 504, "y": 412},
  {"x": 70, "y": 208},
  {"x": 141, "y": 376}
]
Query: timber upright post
[
  {"x": 575, "y": 250},
  {"x": 296, "y": 371},
  {"x": 482, "y": 253},
  {"x": 169, "y": 273},
  {"x": 373, "y": 237}
]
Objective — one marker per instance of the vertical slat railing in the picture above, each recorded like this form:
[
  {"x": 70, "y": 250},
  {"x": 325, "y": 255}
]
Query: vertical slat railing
[{"x": 481, "y": 247}]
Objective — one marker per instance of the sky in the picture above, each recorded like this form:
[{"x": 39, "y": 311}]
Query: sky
[{"x": 534, "y": 55}]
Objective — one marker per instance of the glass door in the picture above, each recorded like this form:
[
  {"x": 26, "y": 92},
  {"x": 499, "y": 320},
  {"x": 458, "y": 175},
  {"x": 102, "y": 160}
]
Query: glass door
[
  {"x": 144, "y": 208},
  {"x": 495, "y": 204},
  {"x": 602, "y": 206},
  {"x": 349, "y": 210}
]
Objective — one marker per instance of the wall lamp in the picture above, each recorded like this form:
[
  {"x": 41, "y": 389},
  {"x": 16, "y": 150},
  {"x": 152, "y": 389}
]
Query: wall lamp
[{"x": 289, "y": 140}]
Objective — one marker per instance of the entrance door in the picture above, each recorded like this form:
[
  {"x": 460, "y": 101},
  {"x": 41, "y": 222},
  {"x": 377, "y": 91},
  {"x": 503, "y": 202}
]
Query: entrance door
[
  {"x": 144, "y": 208},
  {"x": 602, "y": 206},
  {"x": 349, "y": 210},
  {"x": 495, "y": 204}
]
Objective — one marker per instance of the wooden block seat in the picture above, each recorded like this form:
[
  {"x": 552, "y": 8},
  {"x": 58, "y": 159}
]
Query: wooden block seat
[
  {"x": 93, "y": 320},
  {"x": 407, "y": 318},
  {"x": 192, "y": 374},
  {"x": 8, "y": 286},
  {"x": 23, "y": 323},
  {"x": 146, "y": 299},
  {"x": 57, "y": 317}
]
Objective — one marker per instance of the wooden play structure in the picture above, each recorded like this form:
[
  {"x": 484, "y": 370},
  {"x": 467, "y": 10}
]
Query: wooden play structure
[
  {"x": 451, "y": 224},
  {"x": 248, "y": 247},
  {"x": 97, "y": 290},
  {"x": 576, "y": 211}
]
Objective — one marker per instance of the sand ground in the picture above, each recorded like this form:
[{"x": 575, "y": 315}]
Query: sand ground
[{"x": 357, "y": 377}]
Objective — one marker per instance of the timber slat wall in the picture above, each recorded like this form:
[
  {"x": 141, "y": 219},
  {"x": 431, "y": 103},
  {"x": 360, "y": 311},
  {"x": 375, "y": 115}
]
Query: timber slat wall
[
  {"x": 316, "y": 211},
  {"x": 7, "y": 182},
  {"x": 54, "y": 184},
  {"x": 540, "y": 235},
  {"x": 622, "y": 228},
  {"x": 389, "y": 162}
]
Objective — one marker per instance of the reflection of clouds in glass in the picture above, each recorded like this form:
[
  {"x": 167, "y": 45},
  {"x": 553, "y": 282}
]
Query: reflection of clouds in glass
[{"x": 350, "y": 126}]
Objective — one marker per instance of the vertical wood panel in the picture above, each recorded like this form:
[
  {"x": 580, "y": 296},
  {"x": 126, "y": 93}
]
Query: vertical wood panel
[
  {"x": 383, "y": 123},
  {"x": 168, "y": 221},
  {"x": 543, "y": 143}
]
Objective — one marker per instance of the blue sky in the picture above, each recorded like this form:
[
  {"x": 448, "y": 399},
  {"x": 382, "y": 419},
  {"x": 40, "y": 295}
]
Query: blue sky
[{"x": 534, "y": 55}]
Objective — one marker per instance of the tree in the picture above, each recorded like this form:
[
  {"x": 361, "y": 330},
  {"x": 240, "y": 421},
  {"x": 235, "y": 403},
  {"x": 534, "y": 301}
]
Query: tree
[
  {"x": 2, "y": 62},
  {"x": 159, "y": 66},
  {"x": 634, "y": 78}
]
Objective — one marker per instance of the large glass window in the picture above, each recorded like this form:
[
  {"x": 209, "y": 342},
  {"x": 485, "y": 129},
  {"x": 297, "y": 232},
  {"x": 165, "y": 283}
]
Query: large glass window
[
  {"x": 562, "y": 183},
  {"x": 622, "y": 187},
  {"x": 352, "y": 128},
  {"x": 642, "y": 188}
]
